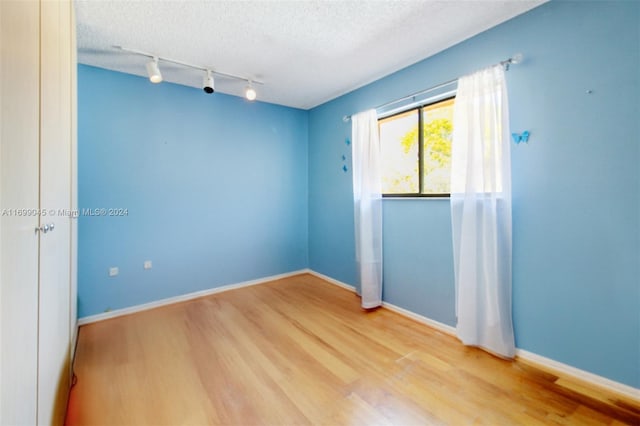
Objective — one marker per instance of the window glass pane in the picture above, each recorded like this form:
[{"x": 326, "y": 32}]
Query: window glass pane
[
  {"x": 399, "y": 146},
  {"x": 437, "y": 132}
]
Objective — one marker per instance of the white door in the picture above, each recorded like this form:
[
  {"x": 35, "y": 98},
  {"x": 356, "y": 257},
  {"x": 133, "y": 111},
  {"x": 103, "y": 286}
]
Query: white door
[
  {"x": 55, "y": 202},
  {"x": 19, "y": 181},
  {"x": 73, "y": 289},
  {"x": 37, "y": 79}
]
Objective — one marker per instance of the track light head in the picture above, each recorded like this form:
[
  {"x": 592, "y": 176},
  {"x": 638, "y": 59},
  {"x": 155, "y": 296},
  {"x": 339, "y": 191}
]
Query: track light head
[
  {"x": 250, "y": 92},
  {"x": 154, "y": 71},
  {"x": 208, "y": 83}
]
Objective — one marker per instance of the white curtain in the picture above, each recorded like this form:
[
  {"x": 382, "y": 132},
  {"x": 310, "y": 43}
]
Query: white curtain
[
  {"x": 367, "y": 200},
  {"x": 481, "y": 212}
]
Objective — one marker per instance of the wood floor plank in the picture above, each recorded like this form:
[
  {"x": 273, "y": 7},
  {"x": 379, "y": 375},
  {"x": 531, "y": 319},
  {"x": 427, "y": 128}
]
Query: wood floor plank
[{"x": 300, "y": 351}]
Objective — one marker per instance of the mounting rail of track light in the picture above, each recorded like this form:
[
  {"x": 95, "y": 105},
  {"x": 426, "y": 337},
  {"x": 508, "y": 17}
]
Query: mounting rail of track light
[{"x": 208, "y": 85}]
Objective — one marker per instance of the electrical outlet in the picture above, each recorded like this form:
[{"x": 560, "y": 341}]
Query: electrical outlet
[
  {"x": 113, "y": 271},
  {"x": 147, "y": 264}
]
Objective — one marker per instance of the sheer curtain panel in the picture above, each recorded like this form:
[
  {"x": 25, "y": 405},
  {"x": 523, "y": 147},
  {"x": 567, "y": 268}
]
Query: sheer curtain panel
[
  {"x": 367, "y": 203},
  {"x": 481, "y": 212}
]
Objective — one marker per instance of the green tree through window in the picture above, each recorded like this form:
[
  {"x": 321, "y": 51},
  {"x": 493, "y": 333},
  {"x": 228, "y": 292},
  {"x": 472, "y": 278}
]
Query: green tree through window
[{"x": 411, "y": 169}]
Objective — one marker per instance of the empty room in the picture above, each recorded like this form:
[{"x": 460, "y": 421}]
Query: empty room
[{"x": 320, "y": 212}]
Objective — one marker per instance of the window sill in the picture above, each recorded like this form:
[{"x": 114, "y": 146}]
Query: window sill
[{"x": 391, "y": 197}]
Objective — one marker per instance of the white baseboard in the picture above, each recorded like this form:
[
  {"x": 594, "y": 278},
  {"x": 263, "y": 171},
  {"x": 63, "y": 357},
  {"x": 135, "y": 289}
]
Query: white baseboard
[
  {"x": 564, "y": 370},
  {"x": 446, "y": 329},
  {"x": 183, "y": 297},
  {"x": 331, "y": 280},
  {"x": 544, "y": 363}
]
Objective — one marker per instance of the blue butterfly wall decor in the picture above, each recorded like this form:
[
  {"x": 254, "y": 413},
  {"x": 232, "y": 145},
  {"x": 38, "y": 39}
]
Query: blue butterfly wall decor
[{"x": 520, "y": 137}]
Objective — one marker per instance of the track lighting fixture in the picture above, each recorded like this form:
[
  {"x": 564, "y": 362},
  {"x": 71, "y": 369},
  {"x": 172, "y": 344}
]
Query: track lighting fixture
[
  {"x": 250, "y": 92},
  {"x": 208, "y": 83},
  {"x": 154, "y": 71}
]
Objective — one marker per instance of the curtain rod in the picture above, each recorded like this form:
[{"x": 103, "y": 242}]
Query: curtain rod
[{"x": 515, "y": 59}]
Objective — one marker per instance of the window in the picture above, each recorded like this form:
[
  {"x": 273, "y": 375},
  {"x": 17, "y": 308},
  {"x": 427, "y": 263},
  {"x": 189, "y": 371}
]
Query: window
[{"x": 416, "y": 150}]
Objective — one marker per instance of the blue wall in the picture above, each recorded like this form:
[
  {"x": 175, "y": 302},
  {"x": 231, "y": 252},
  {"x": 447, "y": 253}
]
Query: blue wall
[
  {"x": 576, "y": 186},
  {"x": 215, "y": 187}
]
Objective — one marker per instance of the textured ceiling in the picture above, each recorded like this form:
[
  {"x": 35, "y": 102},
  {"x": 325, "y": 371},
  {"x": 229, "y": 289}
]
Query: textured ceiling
[{"x": 305, "y": 52}]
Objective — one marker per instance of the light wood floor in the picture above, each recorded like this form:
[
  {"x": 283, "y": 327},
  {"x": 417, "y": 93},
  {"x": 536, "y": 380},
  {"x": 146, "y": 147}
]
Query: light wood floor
[{"x": 301, "y": 351}]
